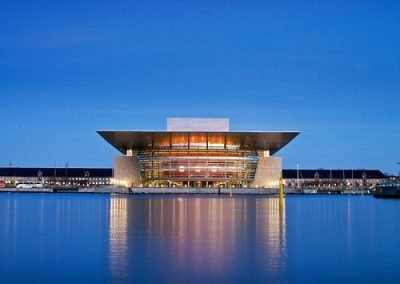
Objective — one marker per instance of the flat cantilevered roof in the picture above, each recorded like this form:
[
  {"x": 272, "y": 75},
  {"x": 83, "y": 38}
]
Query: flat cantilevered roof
[{"x": 255, "y": 140}]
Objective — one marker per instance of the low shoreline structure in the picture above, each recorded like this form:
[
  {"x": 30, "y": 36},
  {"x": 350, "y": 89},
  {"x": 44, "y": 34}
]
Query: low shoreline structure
[
  {"x": 176, "y": 190},
  {"x": 153, "y": 190}
]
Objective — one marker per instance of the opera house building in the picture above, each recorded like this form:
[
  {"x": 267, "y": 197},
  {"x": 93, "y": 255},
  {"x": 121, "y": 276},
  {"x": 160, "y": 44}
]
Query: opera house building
[{"x": 196, "y": 152}]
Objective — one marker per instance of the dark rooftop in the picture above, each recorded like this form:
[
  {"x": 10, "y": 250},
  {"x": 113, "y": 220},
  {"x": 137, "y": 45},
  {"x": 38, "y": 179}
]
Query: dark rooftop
[
  {"x": 58, "y": 172},
  {"x": 333, "y": 174}
]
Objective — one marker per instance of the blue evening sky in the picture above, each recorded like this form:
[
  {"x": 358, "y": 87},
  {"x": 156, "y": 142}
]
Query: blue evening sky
[{"x": 330, "y": 69}]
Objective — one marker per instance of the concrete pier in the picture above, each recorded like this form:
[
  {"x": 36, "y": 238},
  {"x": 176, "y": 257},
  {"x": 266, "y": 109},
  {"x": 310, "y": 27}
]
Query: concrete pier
[{"x": 155, "y": 190}]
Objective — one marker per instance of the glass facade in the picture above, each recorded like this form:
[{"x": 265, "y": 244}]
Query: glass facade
[{"x": 195, "y": 166}]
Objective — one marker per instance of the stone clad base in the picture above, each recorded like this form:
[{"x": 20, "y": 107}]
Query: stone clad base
[
  {"x": 269, "y": 171},
  {"x": 126, "y": 170}
]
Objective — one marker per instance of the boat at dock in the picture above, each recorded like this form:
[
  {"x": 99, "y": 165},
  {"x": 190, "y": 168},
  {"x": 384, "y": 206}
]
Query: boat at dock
[
  {"x": 388, "y": 190},
  {"x": 29, "y": 185},
  {"x": 309, "y": 191}
]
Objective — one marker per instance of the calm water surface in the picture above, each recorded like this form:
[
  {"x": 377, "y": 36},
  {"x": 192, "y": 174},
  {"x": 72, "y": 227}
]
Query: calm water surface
[{"x": 75, "y": 238}]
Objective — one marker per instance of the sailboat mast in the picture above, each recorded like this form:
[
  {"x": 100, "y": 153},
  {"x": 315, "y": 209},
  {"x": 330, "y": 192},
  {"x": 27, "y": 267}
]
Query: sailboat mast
[{"x": 298, "y": 177}]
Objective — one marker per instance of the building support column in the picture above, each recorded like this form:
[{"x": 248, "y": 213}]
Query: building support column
[
  {"x": 126, "y": 171},
  {"x": 269, "y": 171}
]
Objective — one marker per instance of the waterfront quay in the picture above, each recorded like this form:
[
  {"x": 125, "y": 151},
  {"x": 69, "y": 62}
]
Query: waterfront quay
[
  {"x": 147, "y": 190},
  {"x": 175, "y": 190}
]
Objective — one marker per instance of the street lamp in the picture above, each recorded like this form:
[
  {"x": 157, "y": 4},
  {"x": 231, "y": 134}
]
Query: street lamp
[
  {"x": 87, "y": 174},
  {"x": 39, "y": 175}
]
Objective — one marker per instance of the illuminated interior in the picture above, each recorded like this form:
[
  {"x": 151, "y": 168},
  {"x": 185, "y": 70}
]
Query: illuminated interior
[
  {"x": 197, "y": 168},
  {"x": 197, "y": 159}
]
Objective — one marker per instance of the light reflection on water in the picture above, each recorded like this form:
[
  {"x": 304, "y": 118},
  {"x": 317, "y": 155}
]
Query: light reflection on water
[
  {"x": 197, "y": 236},
  {"x": 75, "y": 238},
  {"x": 118, "y": 237}
]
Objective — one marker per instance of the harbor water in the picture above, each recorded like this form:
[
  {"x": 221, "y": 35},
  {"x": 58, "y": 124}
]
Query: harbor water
[{"x": 102, "y": 238}]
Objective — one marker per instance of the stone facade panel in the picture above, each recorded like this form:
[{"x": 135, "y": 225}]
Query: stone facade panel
[
  {"x": 126, "y": 171},
  {"x": 269, "y": 171}
]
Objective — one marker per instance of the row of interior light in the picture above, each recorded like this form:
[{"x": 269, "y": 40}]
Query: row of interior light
[{"x": 198, "y": 168}]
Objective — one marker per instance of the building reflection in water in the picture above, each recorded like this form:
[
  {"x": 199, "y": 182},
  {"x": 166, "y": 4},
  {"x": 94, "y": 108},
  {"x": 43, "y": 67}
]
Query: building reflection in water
[
  {"x": 118, "y": 236},
  {"x": 192, "y": 235}
]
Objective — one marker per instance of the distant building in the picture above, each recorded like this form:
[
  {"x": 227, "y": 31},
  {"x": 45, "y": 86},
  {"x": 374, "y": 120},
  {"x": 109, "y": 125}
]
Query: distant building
[
  {"x": 339, "y": 178},
  {"x": 195, "y": 152},
  {"x": 57, "y": 176}
]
